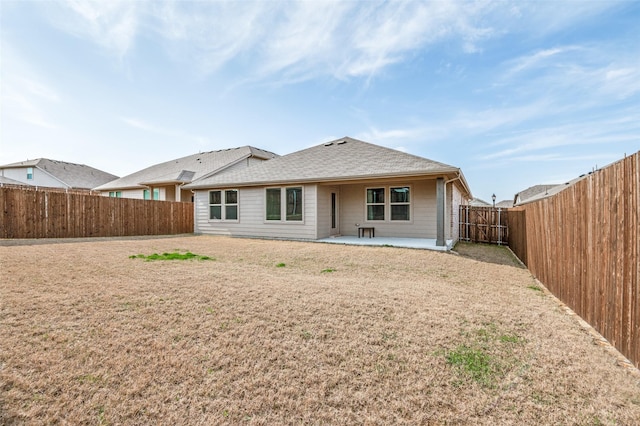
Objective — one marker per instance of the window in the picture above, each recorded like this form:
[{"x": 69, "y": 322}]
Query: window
[
  {"x": 375, "y": 203},
  {"x": 399, "y": 202},
  {"x": 292, "y": 207},
  {"x": 231, "y": 204},
  {"x": 215, "y": 205},
  {"x": 223, "y": 205},
  {"x": 116, "y": 194},
  {"x": 397, "y": 205},
  {"x": 29, "y": 173},
  {"x": 273, "y": 203},
  {"x": 294, "y": 203},
  {"x": 156, "y": 194}
]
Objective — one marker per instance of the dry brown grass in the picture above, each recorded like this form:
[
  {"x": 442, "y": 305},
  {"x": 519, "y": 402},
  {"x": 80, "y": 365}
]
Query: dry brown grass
[{"x": 89, "y": 336}]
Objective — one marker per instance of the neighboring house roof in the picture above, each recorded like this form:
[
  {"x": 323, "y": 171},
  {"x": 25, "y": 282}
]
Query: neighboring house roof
[
  {"x": 531, "y": 192},
  {"x": 186, "y": 169},
  {"x": 505, "y": 204},
  {"x": 339, "y": 160},
  {"x": 477, "y": 202},
  {"x": 70, "y": 174}
]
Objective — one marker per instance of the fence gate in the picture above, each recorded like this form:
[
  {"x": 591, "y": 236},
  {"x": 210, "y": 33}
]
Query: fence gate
[{"x": 484, "y": 225}]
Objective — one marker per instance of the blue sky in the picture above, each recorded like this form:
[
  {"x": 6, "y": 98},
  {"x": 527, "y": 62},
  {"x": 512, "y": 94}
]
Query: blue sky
[{"x": 514, "y": 93}]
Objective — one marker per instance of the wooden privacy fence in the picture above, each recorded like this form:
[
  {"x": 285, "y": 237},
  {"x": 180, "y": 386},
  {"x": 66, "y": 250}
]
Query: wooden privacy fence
[
  {"x": 583, "y": 244},
  {"x": 484, "y": 224},
  {"x": 29, "y": 213}
]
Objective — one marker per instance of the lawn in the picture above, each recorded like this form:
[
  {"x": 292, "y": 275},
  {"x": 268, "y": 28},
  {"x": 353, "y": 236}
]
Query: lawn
[{"x": 135, "y": 331}]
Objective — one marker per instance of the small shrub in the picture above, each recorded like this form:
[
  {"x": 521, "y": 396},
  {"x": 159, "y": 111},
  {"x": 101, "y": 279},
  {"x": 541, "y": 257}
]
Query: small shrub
[
  {"x": 170, "y": 256},
  {"x": 473, "y": 362},
  {"x": 280, "y": 265}
]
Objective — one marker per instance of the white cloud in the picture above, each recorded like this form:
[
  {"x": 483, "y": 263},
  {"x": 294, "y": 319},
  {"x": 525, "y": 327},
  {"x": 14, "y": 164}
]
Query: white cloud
[
  {"x": 295, "y": 39},
  {"x": 24, "y": 93},
  {"x": 111, "y": 24},
  {"x": 178, "y": 135}
]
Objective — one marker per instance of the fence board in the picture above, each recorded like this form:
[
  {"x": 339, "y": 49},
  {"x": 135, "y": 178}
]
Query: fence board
[
  {"x": 484, "y": 224},
  {"x": 583, "y": 244},
  {"x": 27, "y": 212}
]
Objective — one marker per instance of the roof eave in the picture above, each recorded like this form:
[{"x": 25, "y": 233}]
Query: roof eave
[{"x": 440, "y": 172}]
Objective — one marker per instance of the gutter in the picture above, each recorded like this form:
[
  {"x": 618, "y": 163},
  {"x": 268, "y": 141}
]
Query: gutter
[{"x": 324, "y": 179}]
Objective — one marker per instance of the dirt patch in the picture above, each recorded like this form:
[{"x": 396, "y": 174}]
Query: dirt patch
[
  {"x": 274, "y": 332},
  {"x": 491, "y": 253}
]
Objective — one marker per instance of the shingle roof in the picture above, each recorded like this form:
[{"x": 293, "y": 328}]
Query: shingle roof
[
  {"x": 535, "y": 191},
  {"x": 338, "y": 160},
  {"x": 505, "y": 204},
  {"x": 71, "y": 174},
  {"x": 187, "y": 168}
]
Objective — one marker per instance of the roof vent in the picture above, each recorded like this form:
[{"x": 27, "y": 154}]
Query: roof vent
[
  {"x": 342, "y": 142},
  {"x": 328, "y": 144}
]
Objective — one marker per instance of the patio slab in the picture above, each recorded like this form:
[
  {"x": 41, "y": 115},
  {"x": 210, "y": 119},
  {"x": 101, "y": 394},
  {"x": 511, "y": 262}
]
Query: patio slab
[{"x": 417, "y": 243}]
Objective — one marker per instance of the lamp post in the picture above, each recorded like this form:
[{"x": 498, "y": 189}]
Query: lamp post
[{"x": 493, "y": 197}]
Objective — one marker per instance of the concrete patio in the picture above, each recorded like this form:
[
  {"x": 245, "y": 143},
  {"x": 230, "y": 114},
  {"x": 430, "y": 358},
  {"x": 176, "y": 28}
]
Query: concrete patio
[{"x": 417, "y": 243}]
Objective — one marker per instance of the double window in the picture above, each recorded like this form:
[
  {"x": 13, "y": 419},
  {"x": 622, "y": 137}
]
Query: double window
[
  {"x": 115, "y": 194},
  {"x": 396, "y": 206},
  {"x": 223, "y": 205},
  {"x": 284, "y": 203},
  {"x": 147, "y": 195}
]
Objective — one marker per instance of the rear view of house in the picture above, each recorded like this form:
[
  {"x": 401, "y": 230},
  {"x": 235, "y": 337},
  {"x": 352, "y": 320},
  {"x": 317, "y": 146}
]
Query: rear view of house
[
  {"x": 54, "y": 174},
  {"x": 340, "y": 187},
  {"x": 165, "y": 181}
]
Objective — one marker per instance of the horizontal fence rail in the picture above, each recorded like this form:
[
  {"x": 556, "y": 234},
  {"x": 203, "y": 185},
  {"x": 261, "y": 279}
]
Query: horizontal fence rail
[
  {"x": 31, "y": 213},
  {"x": 484, "y": 225},
  {"x": 583, "y": 244}
]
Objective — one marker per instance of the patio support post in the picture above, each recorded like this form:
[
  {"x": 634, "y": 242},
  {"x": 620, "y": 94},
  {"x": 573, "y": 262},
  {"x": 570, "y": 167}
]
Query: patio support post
[{"x": 440, "y": 212}]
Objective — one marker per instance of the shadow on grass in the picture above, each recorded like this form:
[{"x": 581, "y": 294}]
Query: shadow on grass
[{"x": 489, "y": 253}]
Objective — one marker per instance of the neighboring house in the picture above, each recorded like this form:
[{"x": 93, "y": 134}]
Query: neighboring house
[
  {"x": 333, "y": 189},
  {"x": 504, "y": 204},
  {"x": 55, "y": 174},
  {"x": 477, "y": 202},
  {"x": 533, "y": 192},
  {"x": 7, "y": 181},
  {"x": 166, "y": 180}
]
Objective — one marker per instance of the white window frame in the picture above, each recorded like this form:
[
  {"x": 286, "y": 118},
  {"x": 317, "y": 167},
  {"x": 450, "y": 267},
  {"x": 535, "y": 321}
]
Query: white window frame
[
  {"x": 383, "y": 204},
  {"x": 387, "y": 204},
  {"x": 29, "y": 173},
  {"x": 283, "y": 204},
  {"x": 115, "y": 194},
  {"x": 223, "y": 205},
  {"x": 400, "y": 203}
]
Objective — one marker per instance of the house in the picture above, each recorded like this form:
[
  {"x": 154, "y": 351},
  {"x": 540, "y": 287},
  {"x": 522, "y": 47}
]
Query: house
[
  {"x": 343, "y": 187},
  {"x": 504, "y": 204},
  {"x": 478, "y": 202},
  {"x": 166, "y": 180},
  {"x": 55, "y": 174},
  {"x": 533, "y": 192}
]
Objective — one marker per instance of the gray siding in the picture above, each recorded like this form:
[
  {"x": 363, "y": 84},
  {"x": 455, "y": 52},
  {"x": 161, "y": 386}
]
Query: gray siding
[
  {"x": 324, "y": 210},
  {"x": 423, "y": 211},
  {"x": 40, "y": 177},
  {"x": 251, "y": 213}
]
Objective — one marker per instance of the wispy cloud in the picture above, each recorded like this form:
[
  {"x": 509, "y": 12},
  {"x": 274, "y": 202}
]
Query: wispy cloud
[
  {"x": 25, "y": 95},
  {"x": 111, "y": 24},
  {"x": 295, "y": 40},
  {"x": 145, "y": 126}
]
